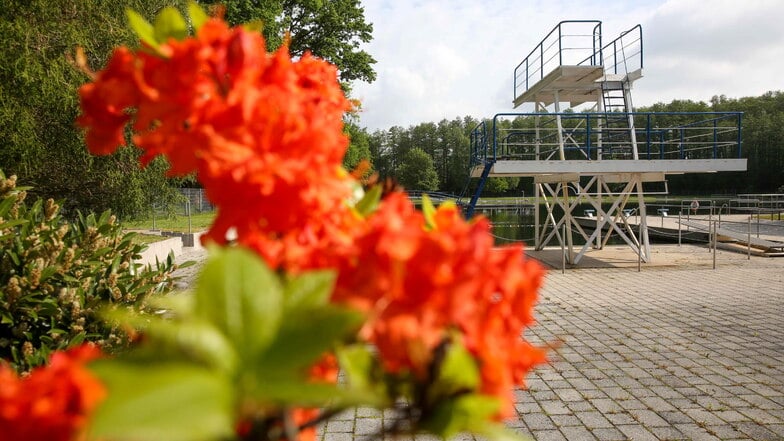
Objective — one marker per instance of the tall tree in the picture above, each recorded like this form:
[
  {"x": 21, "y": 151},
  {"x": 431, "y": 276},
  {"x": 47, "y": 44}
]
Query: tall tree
[
  {"x": 417, "y": 171},
  {"x": 359, "y": 148},
  {"x": 330, "y": 29},
  {"x": 38, "y": 103}
]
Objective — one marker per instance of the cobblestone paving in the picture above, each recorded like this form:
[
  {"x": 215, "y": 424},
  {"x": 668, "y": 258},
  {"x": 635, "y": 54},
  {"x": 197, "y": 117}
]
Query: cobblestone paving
[{"x": 670, "y": 353}]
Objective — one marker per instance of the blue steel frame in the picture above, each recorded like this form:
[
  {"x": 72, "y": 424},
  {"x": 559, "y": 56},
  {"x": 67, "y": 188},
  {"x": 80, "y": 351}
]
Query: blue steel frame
[{"x": 485, "y": 148}]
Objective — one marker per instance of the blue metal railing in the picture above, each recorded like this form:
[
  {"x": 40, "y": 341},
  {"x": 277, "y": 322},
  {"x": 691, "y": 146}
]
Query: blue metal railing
[
  {"x": 659, "y": 135},
  {"x": 568, "y": 43}
]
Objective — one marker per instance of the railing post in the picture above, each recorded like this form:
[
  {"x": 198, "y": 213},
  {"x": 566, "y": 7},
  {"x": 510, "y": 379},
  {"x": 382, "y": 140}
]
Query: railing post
[
  {"x": 682, "y": 141},
  {"x": 740, "y": 127},
  {"x": 648, "y": 133},
  {"x": 715, "y": 139},
  {"x": 588, "y": 134},
  {"x": 495, "y": 138},
  {"x": 560, "y": 47}
]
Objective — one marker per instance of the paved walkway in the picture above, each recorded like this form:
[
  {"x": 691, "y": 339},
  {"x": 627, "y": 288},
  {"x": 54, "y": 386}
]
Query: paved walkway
[{"x": 678, "y": 351}]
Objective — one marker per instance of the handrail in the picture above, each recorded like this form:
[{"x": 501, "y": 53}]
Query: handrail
[
  {"x": 619, "y": 47},
  {"x": 538, "y": 62},
  {"x": 659, "y": 135}
]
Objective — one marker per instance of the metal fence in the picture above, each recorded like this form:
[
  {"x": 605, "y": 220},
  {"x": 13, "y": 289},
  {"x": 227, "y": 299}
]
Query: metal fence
[{"x": 197, "y": 199}]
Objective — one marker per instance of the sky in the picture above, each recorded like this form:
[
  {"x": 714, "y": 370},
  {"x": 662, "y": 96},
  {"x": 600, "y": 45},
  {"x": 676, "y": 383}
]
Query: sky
[{"x": 441, "y": 59}]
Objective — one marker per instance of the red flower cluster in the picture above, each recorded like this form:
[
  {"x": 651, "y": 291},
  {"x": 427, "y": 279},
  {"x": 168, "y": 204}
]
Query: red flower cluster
[
  {"x": 53, "y": 402},
  {"x": 263, "y": 132},
  {"x": 265, "y": 135},
  {"x": 418, "y": 282}
]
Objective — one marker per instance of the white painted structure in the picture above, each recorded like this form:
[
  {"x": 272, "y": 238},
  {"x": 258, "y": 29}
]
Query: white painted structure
[{"x": 601, "y": 156}]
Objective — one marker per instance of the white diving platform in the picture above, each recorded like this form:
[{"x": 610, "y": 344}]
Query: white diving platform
[{"x": 600, "y": 156}]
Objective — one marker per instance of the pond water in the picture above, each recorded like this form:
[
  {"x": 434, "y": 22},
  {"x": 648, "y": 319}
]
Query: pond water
[{"x": 516, "y": 224}]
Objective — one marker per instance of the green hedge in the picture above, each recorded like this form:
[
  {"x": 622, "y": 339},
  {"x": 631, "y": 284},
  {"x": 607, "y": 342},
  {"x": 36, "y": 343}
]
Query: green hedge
[{"x": 55, "y": 276}]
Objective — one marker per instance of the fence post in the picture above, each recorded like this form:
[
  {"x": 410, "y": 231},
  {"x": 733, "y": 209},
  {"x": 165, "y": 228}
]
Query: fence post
[
  {"x": 188, "y": 213},
  {"x": 715, "y": 242},
  {"x": 563, "y": 249},
  {"x": 679, "y": 228},
  {"x": 748, "y": 240}
]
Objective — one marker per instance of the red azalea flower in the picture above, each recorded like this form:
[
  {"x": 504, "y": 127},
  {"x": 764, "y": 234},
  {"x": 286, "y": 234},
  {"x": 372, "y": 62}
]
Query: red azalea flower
[
  {"x": 418, "y": 282},
  {"x": 54, "y": 401}
]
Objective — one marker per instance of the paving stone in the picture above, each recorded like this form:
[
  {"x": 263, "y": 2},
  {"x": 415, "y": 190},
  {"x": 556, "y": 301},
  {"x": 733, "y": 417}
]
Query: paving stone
[
  {"x": 367, "y": 426},
  {"x": 338, "y": 437},
  {"x": 340, "y": 426},
  {"x": 565, "y": 420},
  {"x": 577, "y": 433},
  {"x": 648, "y": 418},
  {"x": 636, "y": 432},
  {"x": 608, "y": 434},
  {"x": 537, "y": 421},
  {"x": 668, "y": 433},
  {"x": 593, "y": 420},
  {"x": 554, "y": 408},
  {"x": 548, "y": 435},
  {"x": 651, "y": 355},
  {"x": 696, "y": 433}
]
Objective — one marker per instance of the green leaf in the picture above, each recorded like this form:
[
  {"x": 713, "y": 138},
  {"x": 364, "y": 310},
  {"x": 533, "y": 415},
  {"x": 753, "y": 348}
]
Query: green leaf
[
  {"x": 457, "y": 373},
  {"x": 181, "y": 340},
  {"x": 143, "y": 30},
  {"x": 48, "y": 272},
  {"x": 170, "y": 24},
  {"x": 310, "y": 289},
  {"x": 298, "y": 392},
  {"x": 358, "y": 364},
  {"x": 466, "y": 413},
  {"x": 243, "y": 298},
  {"x": 13, "y": 223},
  {"x": 428, "y": 211},
  {"x": 253, "y": 26},
  {"x": 197, "y": 14},
  {"x": 305, "y": 336},
  {"x": 362, "y": 371},
  {"x": 370, "y": 201},
  {"x": 160, "y": 401}
]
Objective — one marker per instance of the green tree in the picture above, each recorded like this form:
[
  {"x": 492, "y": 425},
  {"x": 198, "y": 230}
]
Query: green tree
[
  {"x": 38, "y": 104},
  {"x": 417, "y": 171},
  {"x": 359, "y": 148},
  {"x": 333, "y": 30}
]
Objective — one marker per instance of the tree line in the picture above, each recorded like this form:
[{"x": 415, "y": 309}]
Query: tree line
[
  {"x": 39, "y": 81},
  {"x": 38, "y": 105},
  {"x": 435, "y": 156}
]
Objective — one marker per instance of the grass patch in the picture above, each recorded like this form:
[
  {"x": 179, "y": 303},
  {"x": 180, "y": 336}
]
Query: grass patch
[
  {"x": 142, "y": 238},
  {"x": 198, "y": 222}
]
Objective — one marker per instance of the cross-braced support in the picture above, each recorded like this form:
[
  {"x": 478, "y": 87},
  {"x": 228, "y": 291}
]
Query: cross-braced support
[{"x": 563, "y": 194}]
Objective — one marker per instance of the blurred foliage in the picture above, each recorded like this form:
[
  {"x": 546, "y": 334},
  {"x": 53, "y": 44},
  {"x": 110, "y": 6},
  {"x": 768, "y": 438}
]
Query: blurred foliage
[
  {"x": 54, "y": 276},
  {"x": 38, "y": 105},
  {"x": 333, "y": 30}
]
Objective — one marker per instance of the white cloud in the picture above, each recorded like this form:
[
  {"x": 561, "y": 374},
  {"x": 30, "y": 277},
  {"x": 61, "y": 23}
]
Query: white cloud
[{"x": 447, "y": 58}]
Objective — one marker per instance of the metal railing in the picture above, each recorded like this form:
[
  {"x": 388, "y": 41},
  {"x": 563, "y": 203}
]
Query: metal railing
[
  {"x": 624, "y": 54},
  {"x": 579, "y": 43},
  {"x": 571, "y": 42},
  {"x": 659, "y": 135}
]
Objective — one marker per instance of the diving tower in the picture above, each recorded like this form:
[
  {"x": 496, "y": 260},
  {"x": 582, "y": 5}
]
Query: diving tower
[{"x": 584, "y": 142}]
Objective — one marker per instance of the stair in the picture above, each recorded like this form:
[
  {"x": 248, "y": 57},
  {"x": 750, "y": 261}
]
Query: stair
[
  {"x": 617, "y": 134},
  {"x": 469, "y": 210}
]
